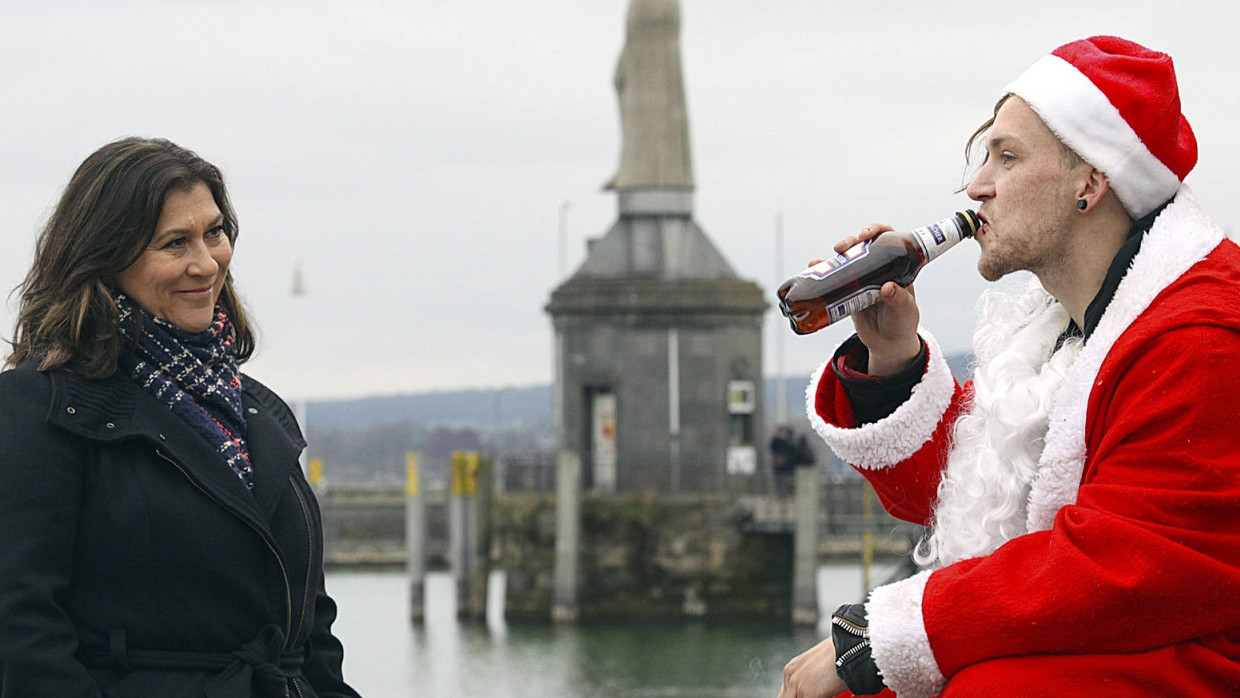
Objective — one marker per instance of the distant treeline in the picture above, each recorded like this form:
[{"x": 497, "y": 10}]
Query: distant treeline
[
  {"x": 491, "y": 409},
  {"x": 365, "y": 439},
  {"x": 484, "y": 409}
]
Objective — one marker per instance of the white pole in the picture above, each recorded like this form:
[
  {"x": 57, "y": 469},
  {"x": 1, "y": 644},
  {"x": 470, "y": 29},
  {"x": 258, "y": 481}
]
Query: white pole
[
  {"x": 304, "y": 458},
  {"x": 563, "y": 239},
  {"x": 673, "y": 403},
  {"x": 415, "y": 537},
  {"x": 781, "y": 384},
  {"x": 567, "y": 537}
]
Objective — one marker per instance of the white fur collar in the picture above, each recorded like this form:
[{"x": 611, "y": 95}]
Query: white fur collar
[
  {"x": 1181, "y": 236},
  {"x": 997, "y": 444}
]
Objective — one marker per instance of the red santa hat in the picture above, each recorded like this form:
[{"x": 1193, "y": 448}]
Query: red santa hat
[{"x": 1116, "y": 104}]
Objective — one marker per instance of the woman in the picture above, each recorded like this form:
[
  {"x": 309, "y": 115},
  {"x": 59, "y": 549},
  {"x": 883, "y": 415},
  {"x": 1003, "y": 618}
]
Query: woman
[{"x": 159, "y": 538}]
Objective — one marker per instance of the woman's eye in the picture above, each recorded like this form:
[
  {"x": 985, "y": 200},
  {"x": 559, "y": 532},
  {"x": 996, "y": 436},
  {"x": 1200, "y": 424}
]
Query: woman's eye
[
  {"x": 1007, "y": 158},
  {"x": 174, "y": 244},
  {"x": 216, "y": 233}
]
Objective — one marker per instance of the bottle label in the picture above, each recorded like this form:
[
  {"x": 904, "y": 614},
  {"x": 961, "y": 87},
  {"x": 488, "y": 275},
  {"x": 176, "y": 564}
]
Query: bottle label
[
  {"x": 858, "y": 301},
  {"x": 820, "y": 270},
  {"x": 936, "y": 238}
]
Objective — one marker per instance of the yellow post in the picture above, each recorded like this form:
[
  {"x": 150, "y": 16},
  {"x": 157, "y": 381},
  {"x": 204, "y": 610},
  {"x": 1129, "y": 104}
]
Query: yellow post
[
  {"x": 315, "y": 474},
  {"x": 464, "y": 472},
  {"x": 471, "y": 473},
  {"x": 411, "y": 473}
]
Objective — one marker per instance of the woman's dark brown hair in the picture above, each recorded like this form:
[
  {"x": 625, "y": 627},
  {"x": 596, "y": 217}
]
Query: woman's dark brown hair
[{"x": 106, "y": 218}]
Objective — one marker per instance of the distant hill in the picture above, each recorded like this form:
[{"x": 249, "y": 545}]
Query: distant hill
[
  {"x": 482, "y": 409},
  {"x": 487, "y": 410}
]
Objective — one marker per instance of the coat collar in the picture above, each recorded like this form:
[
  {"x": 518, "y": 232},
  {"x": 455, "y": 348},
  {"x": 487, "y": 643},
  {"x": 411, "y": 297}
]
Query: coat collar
[{"x": 116, "y": 409}]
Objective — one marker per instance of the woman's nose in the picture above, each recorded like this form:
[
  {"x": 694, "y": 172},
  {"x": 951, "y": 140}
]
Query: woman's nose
[{"x": 202, "y": 262}]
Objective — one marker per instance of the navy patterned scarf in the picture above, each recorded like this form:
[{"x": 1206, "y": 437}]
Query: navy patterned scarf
[{"x": 195, "y": 374}]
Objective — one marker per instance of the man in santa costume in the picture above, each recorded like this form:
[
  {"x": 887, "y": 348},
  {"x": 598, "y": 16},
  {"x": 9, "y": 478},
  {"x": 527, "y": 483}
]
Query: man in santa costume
[{"x": 1084, "y": 487}]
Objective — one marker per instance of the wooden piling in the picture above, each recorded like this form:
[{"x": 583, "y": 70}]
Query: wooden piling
[
  {"x": 462, "y": 528},
  {"x": 805, "y": 548}
]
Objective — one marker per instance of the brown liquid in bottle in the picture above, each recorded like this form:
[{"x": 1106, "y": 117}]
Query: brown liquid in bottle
[{"x": 836, "y": 288}]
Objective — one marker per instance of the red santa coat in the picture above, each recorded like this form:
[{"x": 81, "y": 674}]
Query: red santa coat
[{"x": 1126, "y": 581}]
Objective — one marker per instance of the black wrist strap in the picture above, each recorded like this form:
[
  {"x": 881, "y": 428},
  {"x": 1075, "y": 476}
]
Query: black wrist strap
[
  {"x": 874, "y": 398},
  {"x": 850, "y": 633}
]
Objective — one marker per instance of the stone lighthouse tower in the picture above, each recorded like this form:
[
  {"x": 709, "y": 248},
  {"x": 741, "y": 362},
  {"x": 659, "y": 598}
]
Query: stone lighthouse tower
[{"x": 658, "y": 351}]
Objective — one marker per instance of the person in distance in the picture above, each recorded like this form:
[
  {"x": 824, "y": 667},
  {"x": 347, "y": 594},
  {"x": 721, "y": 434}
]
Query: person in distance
[
  {"x": 1083, "y": 488},
  {"x": 159, "y": 538}
]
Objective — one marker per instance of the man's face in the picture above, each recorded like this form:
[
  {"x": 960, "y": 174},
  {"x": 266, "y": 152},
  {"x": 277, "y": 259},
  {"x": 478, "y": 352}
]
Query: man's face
[{"x": 1028, "y": 195}]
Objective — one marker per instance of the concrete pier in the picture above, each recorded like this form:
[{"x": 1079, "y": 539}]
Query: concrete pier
[{"x": 577, "y": 557}]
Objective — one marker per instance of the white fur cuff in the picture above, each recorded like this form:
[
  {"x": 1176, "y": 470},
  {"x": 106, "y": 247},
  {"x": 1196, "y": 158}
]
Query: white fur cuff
[
  {"x": 901, "y": 434},
  {"x": 898, "y": 639}
]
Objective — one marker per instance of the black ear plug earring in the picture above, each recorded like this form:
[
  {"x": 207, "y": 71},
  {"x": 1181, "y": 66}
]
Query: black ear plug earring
[{"x": 1082, "y": 204}]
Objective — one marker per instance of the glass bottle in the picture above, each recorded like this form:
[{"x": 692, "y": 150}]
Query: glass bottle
[{"x": 833, "y": 289}]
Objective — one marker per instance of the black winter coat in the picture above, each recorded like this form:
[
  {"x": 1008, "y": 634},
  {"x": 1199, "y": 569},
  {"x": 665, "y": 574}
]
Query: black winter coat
[{"x": 134, "y": 562}]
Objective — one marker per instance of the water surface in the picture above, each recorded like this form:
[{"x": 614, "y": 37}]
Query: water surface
[{"x": 387, "y": 656}]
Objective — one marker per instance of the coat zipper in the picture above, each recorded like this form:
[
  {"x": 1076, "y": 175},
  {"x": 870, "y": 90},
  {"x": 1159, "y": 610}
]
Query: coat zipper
[
  {"x": 852, "y": 629},
  {"x": 305, "y": 513},
  {"x": 288, "y": 594},
  {"x": 852, "y": 652}
]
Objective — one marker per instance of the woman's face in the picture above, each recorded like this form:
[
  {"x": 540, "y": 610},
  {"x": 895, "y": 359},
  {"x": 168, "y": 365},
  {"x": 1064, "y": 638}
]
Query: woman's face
[{"x": 179, "y": 276}]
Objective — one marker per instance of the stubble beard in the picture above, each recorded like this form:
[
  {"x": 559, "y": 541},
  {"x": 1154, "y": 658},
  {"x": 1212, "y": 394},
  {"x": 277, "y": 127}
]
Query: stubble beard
[
  {"x": 993, "y": 265},
  {"x": 1039, "y": 252}
]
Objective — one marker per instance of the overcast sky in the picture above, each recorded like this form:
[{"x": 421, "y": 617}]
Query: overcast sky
[{"x": 414, "y": 157}]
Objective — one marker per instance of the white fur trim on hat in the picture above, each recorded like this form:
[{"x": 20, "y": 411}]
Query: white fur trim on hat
[
  {"x": 898, "y": 639},
  {"x": 1086, "y": 121},
  {"x": 902, "y": 433}
]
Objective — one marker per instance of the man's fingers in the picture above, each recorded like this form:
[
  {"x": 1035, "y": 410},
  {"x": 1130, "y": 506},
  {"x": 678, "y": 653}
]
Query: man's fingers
[
  {"x": 866, "y": 234},
  {"x": 873, "y": 230}
]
